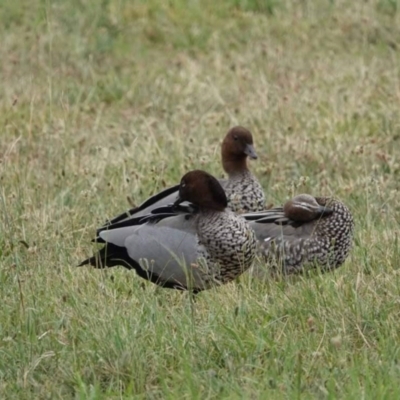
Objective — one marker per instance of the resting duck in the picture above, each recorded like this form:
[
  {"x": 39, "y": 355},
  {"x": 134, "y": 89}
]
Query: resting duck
[
  {"x": 205, "y": 245},
  {"x": 242, "y": 188},
  {"x": 306, "y": 232}
]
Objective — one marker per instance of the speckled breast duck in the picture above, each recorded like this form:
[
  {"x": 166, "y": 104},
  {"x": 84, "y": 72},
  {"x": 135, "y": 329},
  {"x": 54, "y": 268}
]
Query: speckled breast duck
[
  {"x": 306, "y": 232},
  {"x": 207, "y": 245}
]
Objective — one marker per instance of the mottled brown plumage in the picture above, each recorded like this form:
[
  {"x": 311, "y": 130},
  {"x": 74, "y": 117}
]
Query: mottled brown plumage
[{"x": 307, "y": 232}]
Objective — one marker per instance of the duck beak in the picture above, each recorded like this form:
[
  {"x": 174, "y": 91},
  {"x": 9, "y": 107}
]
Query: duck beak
[
  {"x": 250, "y": 151},
  {"x": 324, "y": 211},
  {"x": 178, "y": 201}
]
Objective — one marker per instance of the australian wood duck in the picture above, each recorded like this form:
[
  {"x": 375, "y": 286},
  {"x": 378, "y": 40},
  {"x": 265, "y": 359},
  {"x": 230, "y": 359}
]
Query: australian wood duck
[
  {"x": 306, "y": 232},
  {"x": 204, "y": 246}
]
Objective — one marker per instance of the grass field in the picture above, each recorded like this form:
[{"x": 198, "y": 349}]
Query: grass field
[{"x": 101, "y": 100}]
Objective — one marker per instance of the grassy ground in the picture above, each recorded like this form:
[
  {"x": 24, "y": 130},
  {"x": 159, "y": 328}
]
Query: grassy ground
[{"x": 104, "y": 100}]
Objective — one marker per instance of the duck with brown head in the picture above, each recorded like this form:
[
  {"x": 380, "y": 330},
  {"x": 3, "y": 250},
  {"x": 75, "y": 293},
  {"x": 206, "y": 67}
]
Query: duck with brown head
[
  {"x": 217, "y": 248},
  {"x": 306, "y": 232},
  {"x": 305, "y": 208},
  {"x": 243, "y": 191},
  {"x": 203, "y": 190}
]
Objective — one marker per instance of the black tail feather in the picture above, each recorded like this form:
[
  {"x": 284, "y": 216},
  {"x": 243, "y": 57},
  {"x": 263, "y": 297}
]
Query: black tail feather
[
  {"x": 112, "y": 256},
  {"x": 149, "y": 202}
]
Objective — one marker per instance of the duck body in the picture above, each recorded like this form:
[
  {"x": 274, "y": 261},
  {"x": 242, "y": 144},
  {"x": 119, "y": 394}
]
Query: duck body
[
  {"x": 196, "y": 249},
  {"x": 306, "y": 232}
]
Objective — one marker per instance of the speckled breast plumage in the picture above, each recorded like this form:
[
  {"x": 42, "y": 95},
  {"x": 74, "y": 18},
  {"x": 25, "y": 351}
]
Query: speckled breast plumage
[
  {"x": 327, "y": 246},
  {"x": 244, "y": 193},
  {"x": 226, "y": 246}
]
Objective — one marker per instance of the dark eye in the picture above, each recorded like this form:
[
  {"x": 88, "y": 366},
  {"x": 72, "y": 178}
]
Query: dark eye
[
  {"x": 183, "y": 184},
  {"x": 235, "y": 138}
]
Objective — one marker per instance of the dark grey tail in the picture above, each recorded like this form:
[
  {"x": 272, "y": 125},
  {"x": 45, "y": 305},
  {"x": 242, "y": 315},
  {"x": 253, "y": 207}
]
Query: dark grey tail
[{"x": 110, "y": 256}]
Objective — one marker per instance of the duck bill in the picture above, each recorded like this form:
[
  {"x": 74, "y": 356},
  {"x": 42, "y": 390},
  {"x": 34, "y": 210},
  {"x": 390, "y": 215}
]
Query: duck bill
[
  {"x": 178, "y": 201},
  {"x": 250, "y": 152},
  {"x": 324, "y": 211}
]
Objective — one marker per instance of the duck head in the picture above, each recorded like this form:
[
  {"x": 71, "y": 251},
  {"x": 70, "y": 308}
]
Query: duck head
[
  {"x": 203, "y": 190},
  {"x": 236, "y": 147},
  {"x": 304, "y": 208}
]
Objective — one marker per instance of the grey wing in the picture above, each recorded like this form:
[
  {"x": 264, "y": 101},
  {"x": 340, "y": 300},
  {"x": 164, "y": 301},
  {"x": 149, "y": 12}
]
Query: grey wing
[
  {"x": 163, "y": 252},
  {"x": 290, "y": 250},
  {"x": 183, "y": 222},
  {"x": 267, "y": 230},
  {"x": 274, "y": 215},
  {"x": 289, "y": 247}
]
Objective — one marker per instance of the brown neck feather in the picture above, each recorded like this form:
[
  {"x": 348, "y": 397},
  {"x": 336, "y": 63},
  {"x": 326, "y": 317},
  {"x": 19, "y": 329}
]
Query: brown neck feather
[
  {"x": 212, "y": 208},
  {"x": 234, "y": 164}
]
